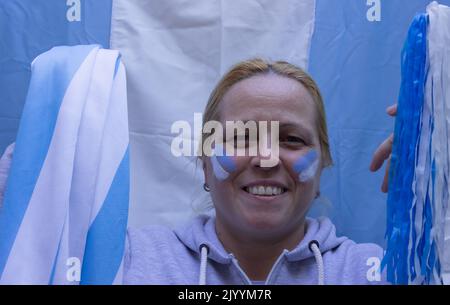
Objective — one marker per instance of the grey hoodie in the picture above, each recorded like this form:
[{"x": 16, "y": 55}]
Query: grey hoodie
[{"x": 159, "y": 255}]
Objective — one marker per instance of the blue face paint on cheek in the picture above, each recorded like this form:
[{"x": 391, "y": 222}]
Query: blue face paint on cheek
[
  {"x": 224, "y": 165},
  {"x": 306, "y": 166}
]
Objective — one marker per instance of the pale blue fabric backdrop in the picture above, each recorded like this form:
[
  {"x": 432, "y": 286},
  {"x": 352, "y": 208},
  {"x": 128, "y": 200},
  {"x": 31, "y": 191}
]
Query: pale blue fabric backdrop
[{"x": 355, "y": 62}]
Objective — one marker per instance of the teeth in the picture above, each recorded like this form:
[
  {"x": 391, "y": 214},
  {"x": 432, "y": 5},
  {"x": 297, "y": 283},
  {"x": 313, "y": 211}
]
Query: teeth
[{"x": 261, "y": 190}]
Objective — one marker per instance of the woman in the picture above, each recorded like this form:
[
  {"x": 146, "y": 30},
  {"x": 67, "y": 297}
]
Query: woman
[{"x": 260, "y": 233}]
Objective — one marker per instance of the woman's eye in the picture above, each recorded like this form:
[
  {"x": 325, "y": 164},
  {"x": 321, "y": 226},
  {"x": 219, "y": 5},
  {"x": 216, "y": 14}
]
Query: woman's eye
[{"x": 294, "y": 140}]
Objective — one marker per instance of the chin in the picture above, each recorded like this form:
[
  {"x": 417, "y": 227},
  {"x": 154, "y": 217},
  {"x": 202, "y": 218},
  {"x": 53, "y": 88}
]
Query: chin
[{"x": 264, "y": 222}]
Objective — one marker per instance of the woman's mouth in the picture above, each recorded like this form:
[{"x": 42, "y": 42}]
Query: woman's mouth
[{"x": 264, "y": 190}]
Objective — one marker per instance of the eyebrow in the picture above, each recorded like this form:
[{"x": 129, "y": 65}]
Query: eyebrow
[
  {"x": 297, "y": 126},
  {"x": 292, "y": 125}
]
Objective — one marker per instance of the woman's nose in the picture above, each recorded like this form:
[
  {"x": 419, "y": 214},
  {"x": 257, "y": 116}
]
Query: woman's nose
[{"x": 266, "y": 159}]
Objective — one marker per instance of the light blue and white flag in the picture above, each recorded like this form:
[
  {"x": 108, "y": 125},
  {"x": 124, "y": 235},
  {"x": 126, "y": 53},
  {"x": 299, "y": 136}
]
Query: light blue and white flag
[{"x": 65, "y": 209}]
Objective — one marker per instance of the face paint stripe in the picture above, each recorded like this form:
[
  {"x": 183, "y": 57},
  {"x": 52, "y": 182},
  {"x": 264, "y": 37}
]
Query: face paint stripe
[
  {"x": 222, "y": 165},
  {"x": 309, "y": 173},
  {"x": 227, "y": 163},
  {"x": 305, "y": 161},
  {"x": 306, "y": 166},
  {"x": 218, "y": 170}
]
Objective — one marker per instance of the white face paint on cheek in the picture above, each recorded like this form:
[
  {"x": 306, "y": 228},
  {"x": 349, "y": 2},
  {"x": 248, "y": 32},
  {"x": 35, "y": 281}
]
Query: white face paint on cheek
[
  {"x": 306, "y": 166},
  {"x": 222, "y": 166}
]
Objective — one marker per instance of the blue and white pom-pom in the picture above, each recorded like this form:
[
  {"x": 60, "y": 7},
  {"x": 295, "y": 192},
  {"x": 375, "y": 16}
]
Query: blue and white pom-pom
[{"x": 418, "y": 222}]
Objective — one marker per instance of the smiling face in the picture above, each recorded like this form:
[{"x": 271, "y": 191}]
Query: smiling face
[{"x": 268, "y": 202}]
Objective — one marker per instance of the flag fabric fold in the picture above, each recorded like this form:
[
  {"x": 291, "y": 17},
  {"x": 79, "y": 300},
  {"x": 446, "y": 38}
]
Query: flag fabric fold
[{"x": 65, "y": 208}]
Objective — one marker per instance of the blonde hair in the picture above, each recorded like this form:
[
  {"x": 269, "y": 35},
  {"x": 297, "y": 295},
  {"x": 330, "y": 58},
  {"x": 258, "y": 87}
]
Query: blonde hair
[{"x": 257, "y": 66}]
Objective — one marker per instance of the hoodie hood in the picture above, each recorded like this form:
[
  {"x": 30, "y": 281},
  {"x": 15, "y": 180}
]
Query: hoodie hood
[
  {"x": 193, "y": 254},
  {"x": 202, "y": 232}
]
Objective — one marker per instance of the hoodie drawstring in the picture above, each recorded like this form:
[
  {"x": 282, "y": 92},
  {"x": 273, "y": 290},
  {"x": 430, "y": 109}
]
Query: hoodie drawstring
[
  {"x": 314, "y": 247},
  {"x": 204, "y": 250}
]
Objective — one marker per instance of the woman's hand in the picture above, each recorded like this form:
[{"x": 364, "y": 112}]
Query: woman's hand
[{"x": 383, "y": 153}]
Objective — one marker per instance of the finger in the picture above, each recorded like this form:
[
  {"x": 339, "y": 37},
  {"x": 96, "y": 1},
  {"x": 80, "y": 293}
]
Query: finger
[
  {"x": 392, "y": 110},
  {"x": 382, "y": 153},
  {"x": 384, "y": 187}
]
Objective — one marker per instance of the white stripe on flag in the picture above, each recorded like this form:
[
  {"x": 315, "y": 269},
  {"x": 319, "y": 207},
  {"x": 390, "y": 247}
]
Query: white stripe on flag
[
  {"x": 115, "y": 136},
  {"x": 90, "y": 153},
  {"x": 109, "y": 217}
]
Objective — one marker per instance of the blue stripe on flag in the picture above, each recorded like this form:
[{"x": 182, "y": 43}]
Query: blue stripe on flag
[{"x": 105, "y": 241}]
